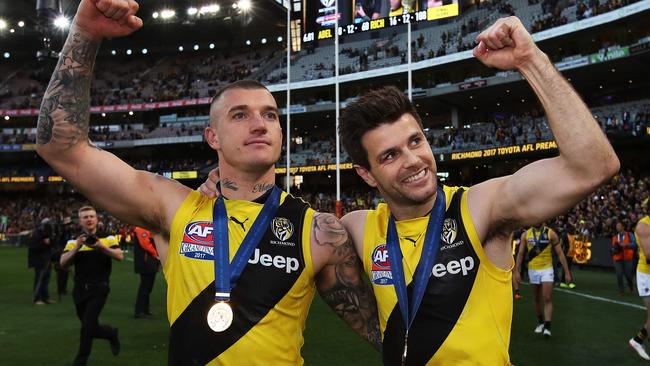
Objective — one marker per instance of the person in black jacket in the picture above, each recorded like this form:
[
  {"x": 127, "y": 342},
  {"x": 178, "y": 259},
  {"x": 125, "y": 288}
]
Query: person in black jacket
[
  {"x": 146, "y": 263},
  {"x": 39, "y": 257}
]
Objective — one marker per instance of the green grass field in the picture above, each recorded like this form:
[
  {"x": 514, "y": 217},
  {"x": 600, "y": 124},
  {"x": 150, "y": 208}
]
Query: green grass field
[{"x": 585, "y": 331}]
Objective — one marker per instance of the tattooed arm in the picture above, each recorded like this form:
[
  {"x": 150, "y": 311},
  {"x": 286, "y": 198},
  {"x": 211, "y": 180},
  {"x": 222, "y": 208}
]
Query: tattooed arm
[
  {"x": 339, "y": 281},
  {"x": 62, "y": 131}
]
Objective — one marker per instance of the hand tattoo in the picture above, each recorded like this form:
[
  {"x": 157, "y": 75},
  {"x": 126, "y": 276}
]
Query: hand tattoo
[{"x": 65, "y": 110}]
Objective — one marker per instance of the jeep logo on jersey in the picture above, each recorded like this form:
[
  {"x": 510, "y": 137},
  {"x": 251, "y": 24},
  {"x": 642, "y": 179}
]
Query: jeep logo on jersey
[
  {"x": 199, "y": 232},
  {"x": 380, "y": 269},
  {"x": 288, "y": 264},
  {"x": 449, "y": 229},
  {"x": 282, "y": 228},
  {"x": 327, "y": 3},
  {"x": 453, "y": 267}
]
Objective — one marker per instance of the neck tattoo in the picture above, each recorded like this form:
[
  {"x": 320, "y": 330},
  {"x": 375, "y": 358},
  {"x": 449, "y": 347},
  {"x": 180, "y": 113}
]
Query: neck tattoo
[
  {"x": 229, "y": 184},
  {"x": 262, "y": 187}
]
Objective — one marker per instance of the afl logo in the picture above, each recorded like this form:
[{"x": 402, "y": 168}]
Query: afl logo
[
  {"x": 199, "y": 233},
  {"x": 449, "y": 230},
  {"x": 282, "y": 228},
  {"x": 380, "y": 258},
  {"x": 327, "y": 3}
]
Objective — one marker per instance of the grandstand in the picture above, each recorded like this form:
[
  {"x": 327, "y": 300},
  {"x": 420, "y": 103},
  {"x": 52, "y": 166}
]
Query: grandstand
[{"x": 150, "y": 109}]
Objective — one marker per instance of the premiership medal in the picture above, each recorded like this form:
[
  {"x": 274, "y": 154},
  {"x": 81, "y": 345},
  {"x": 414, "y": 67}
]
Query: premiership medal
[
  {"x": 408, "y": 308},
  {"x": 220, "y": 316}
]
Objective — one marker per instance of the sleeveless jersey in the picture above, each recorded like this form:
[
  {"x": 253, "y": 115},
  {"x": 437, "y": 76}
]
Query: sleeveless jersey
[
  {"x": 643, "y": 266},
  {"x": 270, "y": 300},
  {"x": 539, "y": 253},
  {"x": 466, "y": 312}
]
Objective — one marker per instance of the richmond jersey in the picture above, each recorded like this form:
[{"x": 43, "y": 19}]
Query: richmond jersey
[
  {"x": 466, "y": 312},
  {"x": 538, "y": 245},
  {"x": 643, "y": 266},
  {"x": 270, "y": 300}
]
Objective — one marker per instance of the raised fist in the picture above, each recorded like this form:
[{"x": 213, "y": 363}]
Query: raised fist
[
  {"x": 506, "y": 45},
  {"x": 107, "y": 18}
]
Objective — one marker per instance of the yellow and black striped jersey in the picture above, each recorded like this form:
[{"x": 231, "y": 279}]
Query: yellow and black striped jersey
[
  {"x": 643, "y": 266},
  {"x": 538, "y": 246},
  {"x": 270, "y": 300},
  {"x": 466, "y": 312}
]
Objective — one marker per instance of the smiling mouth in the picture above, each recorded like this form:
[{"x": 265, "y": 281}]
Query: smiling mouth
[{"x": 416, "y": 177}]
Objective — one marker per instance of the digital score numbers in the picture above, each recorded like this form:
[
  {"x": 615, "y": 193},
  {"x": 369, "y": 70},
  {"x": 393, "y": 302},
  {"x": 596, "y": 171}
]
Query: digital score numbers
[{"x": 440, "y": 12}]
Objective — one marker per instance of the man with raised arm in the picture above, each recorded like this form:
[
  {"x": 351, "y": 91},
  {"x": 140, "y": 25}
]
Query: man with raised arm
[
  {"x": 241, "y": 269},
  {"x": 448, "y": 275}
]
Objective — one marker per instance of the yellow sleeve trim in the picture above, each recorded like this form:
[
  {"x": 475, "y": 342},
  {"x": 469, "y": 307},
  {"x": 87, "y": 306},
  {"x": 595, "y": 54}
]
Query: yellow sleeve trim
[
  {"x": 306, "y": 241},
  {"x": 496, "y": 272}
]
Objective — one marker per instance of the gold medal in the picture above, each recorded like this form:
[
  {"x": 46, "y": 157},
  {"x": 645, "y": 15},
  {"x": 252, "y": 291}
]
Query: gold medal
[{"x": 220, "y": 316}]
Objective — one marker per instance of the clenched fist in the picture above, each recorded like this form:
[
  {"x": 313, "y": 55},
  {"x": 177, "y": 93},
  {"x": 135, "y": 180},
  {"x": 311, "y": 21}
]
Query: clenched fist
[
  {"x": 506, "y": 45},
  {"x": 108, "y": 18}
]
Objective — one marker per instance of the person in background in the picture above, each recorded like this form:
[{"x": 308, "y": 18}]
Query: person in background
[
  {"x": 39, "y": 257},
  {"x": 623, "y": 248},
  {"x": 147, "y": 264}
]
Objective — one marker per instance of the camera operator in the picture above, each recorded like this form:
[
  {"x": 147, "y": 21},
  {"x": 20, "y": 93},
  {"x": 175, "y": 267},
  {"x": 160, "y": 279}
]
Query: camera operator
[
  {"x": 39, "y": 257},
  {"x": 92, "y": 254}
]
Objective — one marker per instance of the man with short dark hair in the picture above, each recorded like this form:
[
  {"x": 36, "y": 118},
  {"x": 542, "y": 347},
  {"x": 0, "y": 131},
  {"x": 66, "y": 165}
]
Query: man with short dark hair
[
  {"x": 91, "y": 253},
  {"x": 447, "y": 249}
]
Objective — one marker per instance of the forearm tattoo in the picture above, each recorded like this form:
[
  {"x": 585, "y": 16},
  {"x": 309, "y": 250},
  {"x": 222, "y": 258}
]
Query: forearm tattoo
[
  {"x": 65, "y": 110},
  {"x": 341, "y": 284}
]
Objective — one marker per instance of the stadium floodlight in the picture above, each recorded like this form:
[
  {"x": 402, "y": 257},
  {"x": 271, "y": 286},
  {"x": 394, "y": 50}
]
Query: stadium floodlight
[
  {"x": 103, "y": 114},
  {"x": 245, "y": 5},
  {"x": 113, "y": 52},
  {"x": 7, "y": 55},
  {"x": 21, "y": 24},
  {"x": 263, "y": 40},
  {"x": 145, "y": 51},
  {"x": 180, "y": 48},
  {"x": 196, "y": 47},
  {"x": 192, "y": 11},
  {"x": 211, "y": 46},
  {"x": 167, "y": 14},
  {"x": 129, "y": 52},
  {"x": 280, "y": 39},
  {"x": 248, "y": 42},
  {"x": 234, "y": 5},
  {"x": 7, "y": 118},
  {"x": 12, "y": 30},
  {"x": 130, "y": 113},
  {"x": 3, "y": 24},
  {"x": 62, "y": 22},
  {"x": 209, "y": 9},
  {"x": 155, "y": 15}
]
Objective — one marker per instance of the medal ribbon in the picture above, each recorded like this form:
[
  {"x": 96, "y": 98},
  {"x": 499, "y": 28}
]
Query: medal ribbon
[
  {"x": 226, "y": 274},
  {"x": 427, "y": 260}
]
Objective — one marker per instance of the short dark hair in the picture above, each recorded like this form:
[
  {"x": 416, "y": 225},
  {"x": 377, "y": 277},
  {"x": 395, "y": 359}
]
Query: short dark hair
[
  {"x": 239, "y": 84},
  {"x": 371, "y": 110}
]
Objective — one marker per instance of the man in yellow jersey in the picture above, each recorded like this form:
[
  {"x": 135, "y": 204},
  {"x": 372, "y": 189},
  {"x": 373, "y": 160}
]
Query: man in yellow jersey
[
  {"x": 92, "y": 254},
  {"x": 241, "y": 271},
  {"x": 466, "y": 293},
  {"x": 538, "y": 241},
  {"x": 643, "y": 283}
]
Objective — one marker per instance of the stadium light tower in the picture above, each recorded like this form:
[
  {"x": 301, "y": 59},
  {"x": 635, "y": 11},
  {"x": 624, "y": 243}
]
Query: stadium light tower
[
  {"x": 245, "y": 5},
  {"x": 46, "y": 12}
]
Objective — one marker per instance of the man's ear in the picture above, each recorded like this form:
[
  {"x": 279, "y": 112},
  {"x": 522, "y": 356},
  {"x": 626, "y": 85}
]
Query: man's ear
[
  {"x": 365, "y": 175},
  {"x": 211, "y": 137}
]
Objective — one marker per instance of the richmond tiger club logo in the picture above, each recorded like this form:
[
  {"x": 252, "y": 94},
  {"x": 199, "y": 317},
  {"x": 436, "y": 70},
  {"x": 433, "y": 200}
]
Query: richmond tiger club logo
[
  {"x": 327, "y": 3},
  {"x": 380, "y": 270},
  {"x": 282, "y": 228},
  {"x": 449, "y": 230}
]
